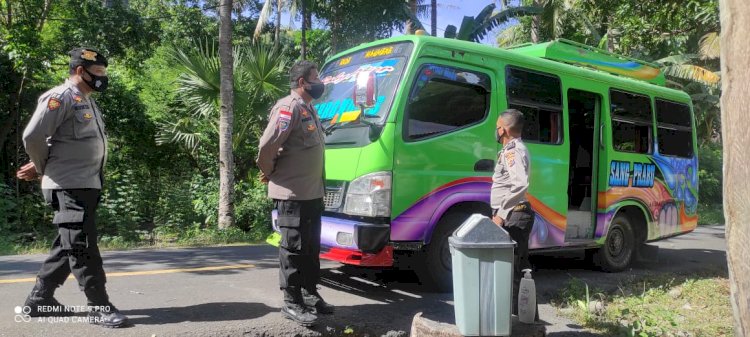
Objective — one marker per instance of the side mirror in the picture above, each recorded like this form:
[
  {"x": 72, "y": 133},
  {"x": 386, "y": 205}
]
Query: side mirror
[{"x": 365, "y": 90}]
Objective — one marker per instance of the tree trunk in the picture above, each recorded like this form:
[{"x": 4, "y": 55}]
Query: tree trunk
[
  {"x": 277, "y": 29},
  {"x": 226, "y": 120},
  {"x": 410, "y": 25},
  {"x": 306, "y": 24},
  {"x": 45, "y": 12},
  {"x": 535, "y": 24},
  {"x": 15, "y": 109},
  {"x": 9, "y": 15},
  {"x": 433, "y": 17},
  {"x": 735, "y": 80},
  {"x": 334, "y": 27}
]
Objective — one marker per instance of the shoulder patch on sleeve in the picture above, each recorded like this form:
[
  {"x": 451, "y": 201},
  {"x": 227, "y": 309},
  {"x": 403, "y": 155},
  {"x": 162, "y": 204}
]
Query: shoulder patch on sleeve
[
  {"x": 283, "y": 124},
  {"x": 53, "y": 103},
  {"x": 285, "y": 114},
  {"x": 510, "y": 158}
]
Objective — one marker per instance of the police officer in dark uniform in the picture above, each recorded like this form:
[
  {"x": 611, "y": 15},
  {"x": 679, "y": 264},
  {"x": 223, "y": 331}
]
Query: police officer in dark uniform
[
  {"x": 510, "y": 208},
  {"x": 67, "y": 144},
  {"x": 290, "y": 158}
]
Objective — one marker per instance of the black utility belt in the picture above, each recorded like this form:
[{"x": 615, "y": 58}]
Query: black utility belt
[{"x": 522, "y": 207}]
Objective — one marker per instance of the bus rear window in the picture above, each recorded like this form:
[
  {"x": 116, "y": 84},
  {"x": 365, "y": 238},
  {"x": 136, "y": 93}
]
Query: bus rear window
[{"x": 674, "y": 129}]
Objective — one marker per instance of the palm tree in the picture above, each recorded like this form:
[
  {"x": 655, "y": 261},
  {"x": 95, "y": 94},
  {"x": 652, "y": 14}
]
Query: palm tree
[
  {"x": 683, "y": 66},
  {"x": 259, "y": 79},
  {"x": 265, "y": 15},
  {"x": 306, "y": 8},
  {"x": 226, "y": 119},
  {"x": 555, "y": 18},
  {"x": 476, "y": 28}
]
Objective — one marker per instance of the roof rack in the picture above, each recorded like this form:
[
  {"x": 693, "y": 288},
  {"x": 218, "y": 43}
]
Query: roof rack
[{"x": 579, "y": 54}]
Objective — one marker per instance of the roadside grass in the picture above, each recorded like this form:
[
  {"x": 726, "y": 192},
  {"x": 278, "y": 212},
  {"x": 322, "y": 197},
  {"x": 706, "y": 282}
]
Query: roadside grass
[
  {"x": 161, "y": 238},
  {"x": 710, "y": 214},
  {"x": 664, "y": 305}
]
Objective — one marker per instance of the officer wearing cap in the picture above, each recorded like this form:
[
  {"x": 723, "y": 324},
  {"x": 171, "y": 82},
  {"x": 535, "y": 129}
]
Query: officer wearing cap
[
  {"x": 67, "y": 144},
  {"x": 290, "y": 158},
  {"x": 510, "y": 208}
]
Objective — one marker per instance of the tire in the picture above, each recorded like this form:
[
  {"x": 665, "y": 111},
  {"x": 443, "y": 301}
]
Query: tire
[
  {"x": 436, "y": 271},
  {"x": 619, "y": 248}
]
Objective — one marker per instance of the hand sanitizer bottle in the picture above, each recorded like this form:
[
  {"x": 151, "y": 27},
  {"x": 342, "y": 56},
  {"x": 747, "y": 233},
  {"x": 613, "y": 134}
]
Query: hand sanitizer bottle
[{"x": 526, "y": 298}]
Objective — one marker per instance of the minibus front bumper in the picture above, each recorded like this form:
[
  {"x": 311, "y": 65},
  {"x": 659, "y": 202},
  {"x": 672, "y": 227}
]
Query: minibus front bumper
[{"x": 351, "y": 242}]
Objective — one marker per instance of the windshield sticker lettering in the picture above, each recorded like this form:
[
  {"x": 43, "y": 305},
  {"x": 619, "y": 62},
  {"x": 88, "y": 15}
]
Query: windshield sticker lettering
[
  {"x": 379, "y": 52},
  {"x": 380, "y": 69}
]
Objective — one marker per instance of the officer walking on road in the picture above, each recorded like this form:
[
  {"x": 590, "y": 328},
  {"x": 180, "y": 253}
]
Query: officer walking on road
[
  {"x": 67, "y": 145},
  {"x": 510, "y": 208},
  {"x": 290, "y": 158}
]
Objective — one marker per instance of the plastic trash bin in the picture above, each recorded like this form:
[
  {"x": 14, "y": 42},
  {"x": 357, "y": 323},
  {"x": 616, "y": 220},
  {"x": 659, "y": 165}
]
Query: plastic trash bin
[{"x": 482, "y": 257}]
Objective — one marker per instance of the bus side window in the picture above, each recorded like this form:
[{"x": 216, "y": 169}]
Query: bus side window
[
  {"x": 631, "y": 122},
  {"x": 539, "y": 97},
  {"x": 674, "y": 128},
  {"x": 446, "y": 99}
]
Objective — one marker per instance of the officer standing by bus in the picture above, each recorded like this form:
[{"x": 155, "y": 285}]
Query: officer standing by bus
[
  {"x": 67, "y": 145},
  {"x": 510, "y": 208},
  {"x": 290, "y": 157}
]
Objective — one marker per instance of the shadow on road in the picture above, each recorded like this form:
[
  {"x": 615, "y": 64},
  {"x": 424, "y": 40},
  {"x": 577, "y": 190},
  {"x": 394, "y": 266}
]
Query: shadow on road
[
  {"x": 206, "y": 312},
  {"x": 399, "y": 292}
]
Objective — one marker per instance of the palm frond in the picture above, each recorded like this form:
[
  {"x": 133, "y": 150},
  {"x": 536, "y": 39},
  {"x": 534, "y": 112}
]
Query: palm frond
[
  {"x": 511, "y": 36},
  {"x": 692, "y": 73},
  {"x": 179, "y": 132},
  {"x": 263, "y": 18},
  {"x": 710, "y": 46},
  {"x": 678, "y": 59},
  {"x": 483, "y": 28}
]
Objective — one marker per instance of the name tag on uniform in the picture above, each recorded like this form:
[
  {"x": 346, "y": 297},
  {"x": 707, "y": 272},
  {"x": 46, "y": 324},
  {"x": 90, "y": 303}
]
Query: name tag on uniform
[{"x": 81, "y": 107}]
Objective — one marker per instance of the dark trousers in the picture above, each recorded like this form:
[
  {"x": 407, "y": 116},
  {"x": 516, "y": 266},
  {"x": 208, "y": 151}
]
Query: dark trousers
[
  {"x": 519, "y": 225},
  {"x": 299, "y": 250},
  {"x": 75, "y": 249}
]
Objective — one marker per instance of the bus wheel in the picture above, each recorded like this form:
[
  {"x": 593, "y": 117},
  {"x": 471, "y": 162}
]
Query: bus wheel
[
  {"x": 436, "y": 271},
  {"x": 619, "y": 247}
]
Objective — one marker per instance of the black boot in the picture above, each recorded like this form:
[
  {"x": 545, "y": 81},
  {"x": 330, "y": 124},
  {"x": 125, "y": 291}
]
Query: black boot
[
  {"x": 314, "y": 301},
  {"x": 101, "y": 311},
  {"x": 42, "y": 303},
  {"x": 294, "y": 308}
]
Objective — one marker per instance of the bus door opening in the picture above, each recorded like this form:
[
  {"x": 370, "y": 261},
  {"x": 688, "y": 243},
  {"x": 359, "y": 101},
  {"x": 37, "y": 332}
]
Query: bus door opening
[{"x": 582, "y": 108}]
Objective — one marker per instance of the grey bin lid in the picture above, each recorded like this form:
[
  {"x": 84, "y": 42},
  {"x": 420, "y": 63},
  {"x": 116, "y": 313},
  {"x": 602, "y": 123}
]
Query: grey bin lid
[{"x": 478, "y": 231}]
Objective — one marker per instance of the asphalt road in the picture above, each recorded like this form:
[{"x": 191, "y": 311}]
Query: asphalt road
[{"x": 233, "y": 291}]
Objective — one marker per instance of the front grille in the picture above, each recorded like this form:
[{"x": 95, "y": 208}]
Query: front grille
[{"x": 334, "y": 196}]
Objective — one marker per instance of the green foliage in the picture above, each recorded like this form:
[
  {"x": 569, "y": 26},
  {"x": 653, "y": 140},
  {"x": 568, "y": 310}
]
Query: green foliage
[
  {"x": 654, "y": 306},
  {"x": 710, "y": 208},
  {"x": 353, "y": 22},
  {"x": 476, "y": 28}
]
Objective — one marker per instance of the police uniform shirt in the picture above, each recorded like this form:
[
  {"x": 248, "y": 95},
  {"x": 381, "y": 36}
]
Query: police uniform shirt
[
  {"x": 511, "y": 179},
  {"x": 66, "y": 139},
  {"x": 291, "y": 151}
]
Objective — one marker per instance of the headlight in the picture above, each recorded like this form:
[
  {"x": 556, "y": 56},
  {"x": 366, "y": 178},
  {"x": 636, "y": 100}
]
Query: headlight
[{"x": 369, "y": 195}]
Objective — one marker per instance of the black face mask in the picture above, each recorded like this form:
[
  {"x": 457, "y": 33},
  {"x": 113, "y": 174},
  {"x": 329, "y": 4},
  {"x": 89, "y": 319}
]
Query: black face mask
[
  {"x": 98, "y": 83},
  {"x": 498, "y": 137},
  {"x": 316, "y": 89}
]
